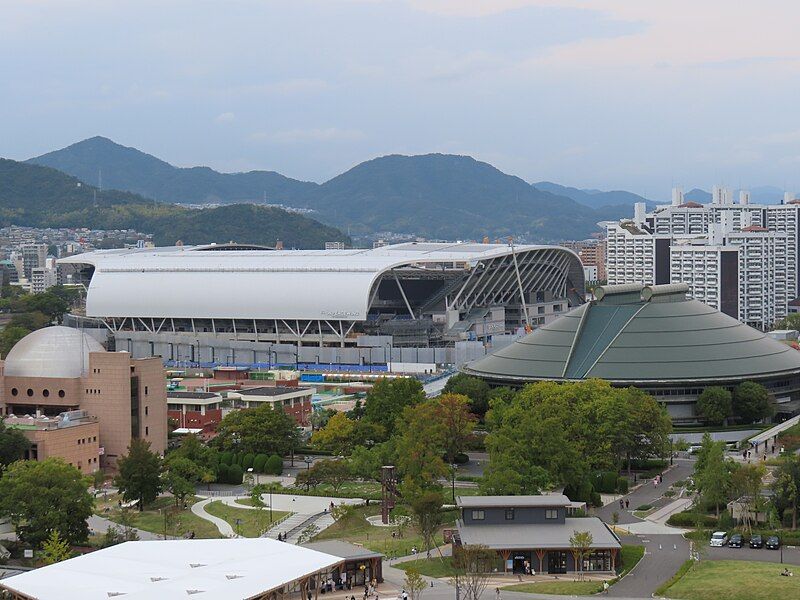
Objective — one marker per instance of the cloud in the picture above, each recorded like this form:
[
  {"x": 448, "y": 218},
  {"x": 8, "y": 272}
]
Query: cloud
[
  {"x": 299, "y": 136},
  {"x": 225, "y": 117},
  {"x": 285, "y": 87}
]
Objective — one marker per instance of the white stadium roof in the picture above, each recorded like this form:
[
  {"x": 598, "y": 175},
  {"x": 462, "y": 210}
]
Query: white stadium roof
[
  {"x": 213, "y": 569},
  {"x": 203, "y": 282}
]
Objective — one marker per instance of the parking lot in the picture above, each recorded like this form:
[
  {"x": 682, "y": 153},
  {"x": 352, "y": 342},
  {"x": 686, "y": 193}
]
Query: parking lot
[{"x": 791, "y": 554}]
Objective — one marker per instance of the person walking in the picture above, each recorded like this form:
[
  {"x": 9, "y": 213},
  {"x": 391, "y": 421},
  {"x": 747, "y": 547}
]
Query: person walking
[
  {"x": 605, "y": 588},
  {"x": 627, "y": 504}
]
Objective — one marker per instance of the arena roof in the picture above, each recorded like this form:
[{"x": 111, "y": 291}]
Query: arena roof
[
  {"x": 200, "y": 282},
  {"x": 650, "y": 336}
]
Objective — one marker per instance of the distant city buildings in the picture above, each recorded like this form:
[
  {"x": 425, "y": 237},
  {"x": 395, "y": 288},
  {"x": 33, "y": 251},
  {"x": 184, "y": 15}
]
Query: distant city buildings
[
  {"x": 740, "y": 258},
  {"x": 593, "y": 257}
]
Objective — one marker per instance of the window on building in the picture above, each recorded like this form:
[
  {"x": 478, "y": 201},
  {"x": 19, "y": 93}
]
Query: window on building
[
  {"x": 147, "y": 431},
  {"x": 509, "y": 514},
  {"x": 478, "y": 515},
  {"x": 145, "y": 390},
  {"x": 14, "y": 391},
  {"x": 146, "y": 410},
  {"x": 551, "y": 513},
  {"x": 45, "y": 393},
  {"x": 29, "y": 392}
]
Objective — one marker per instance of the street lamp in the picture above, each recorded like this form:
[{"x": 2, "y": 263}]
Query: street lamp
[
  {"x": 270, "y": 503},
  {"x": 308, "y": 460},
  {"x": 453, "y": 468}
]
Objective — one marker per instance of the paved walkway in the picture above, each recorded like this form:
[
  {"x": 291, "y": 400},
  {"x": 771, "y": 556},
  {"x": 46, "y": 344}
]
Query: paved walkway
[{"x": 199, "y": 508}]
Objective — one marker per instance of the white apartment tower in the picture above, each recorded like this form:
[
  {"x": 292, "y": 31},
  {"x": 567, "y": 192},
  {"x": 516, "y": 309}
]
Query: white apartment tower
[{"x": 740, "y": 258}]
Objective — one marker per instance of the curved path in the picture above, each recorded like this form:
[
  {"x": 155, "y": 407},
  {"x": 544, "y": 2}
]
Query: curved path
[{"x": 199, "y": 509}]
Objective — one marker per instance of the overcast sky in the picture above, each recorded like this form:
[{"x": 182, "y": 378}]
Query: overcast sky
[{"x": 630, "y": 94}]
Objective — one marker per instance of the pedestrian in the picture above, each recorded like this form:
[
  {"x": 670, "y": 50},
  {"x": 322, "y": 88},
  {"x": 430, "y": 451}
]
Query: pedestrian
[
  {"x": 627, "y": 504},
  {"x": 405, "y": 595},
  {"x": 621, "y": 503},
  {"x": 496, "y": 593},
  {"x": 605, "y": 588}
]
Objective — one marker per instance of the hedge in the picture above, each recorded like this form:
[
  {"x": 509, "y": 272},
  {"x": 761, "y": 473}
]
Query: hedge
[
  {"x": 247, "y": 461},
  {"x": 690, "y": 519},
  {"x": 274, "y": 465},
  {"x": 226, "y": 458},
  {"x": 622, "y": 485},
  {"x": 259, "y": 462},
  {"x": 605, "y": 482},
  {"x": 235, "y": 475},
  {"x": 223, "y": 472}
]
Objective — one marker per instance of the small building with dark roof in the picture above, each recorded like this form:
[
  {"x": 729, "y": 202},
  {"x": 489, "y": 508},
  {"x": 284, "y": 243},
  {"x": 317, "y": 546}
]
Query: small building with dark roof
[
  {"x": 295, "y": 401},
  {"x": 533, "y": 533},
  {"x": 652, "y": 338}
]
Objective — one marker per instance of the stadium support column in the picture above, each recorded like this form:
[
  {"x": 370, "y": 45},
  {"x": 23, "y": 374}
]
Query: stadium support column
[{"x": 403, "y": 293}]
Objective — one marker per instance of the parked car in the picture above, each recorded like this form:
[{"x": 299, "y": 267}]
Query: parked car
[
  {"x": 719, "y": 538},
  {"x": 756, "y": 541},
  {"x": 736, "y": 541},
  {"x": 773, "y": 542}
]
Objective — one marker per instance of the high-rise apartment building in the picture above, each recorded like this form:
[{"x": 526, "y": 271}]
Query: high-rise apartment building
[
  {"x": 33, "y": 256},
  {"x": 740, "y": 258}
]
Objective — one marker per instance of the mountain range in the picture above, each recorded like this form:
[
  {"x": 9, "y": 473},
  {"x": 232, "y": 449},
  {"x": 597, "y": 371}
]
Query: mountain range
[
  {"x": 36, "y": 196},
  {"x": 437, "y": 196}
]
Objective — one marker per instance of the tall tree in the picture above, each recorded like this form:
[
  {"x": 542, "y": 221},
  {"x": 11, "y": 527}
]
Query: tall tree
[
  {"x": 752, "y": 402},
  {"x": 261, "y": 430},
  {"x": 337, "y": 435},
  {"x": 746, "y": 483},
  {"x": 139, "y": 476},
  {"x": 13, "y": 445},
  {"x": 787, "y": 486},
  {"x": 470, "y": 572},
  {"x": 474, "y": 388},
  {"x": 715, "y": 404},
  {"x": 387, "y": 399},
  {"x": 457, "y": 423},
  {"x": 420, "y": 443},
  {"x": 40, "y": 497},
  {"x": 426, "y": 510},
  {"x": 714, "y": 481},
  {"x": 55, "y": 549}
]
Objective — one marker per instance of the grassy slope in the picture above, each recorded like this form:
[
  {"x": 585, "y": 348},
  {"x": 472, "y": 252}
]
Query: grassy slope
[
  {"x": 565, "y": 588},
  {"x": 734, "y": 580},
  {"x": 253, "y": 522},
  {"x": 178, "y": 524}
]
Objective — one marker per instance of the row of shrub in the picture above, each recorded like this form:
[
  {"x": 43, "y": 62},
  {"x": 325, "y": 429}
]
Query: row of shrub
[
  {"x": 608, "y": 482},
  {"x": 260, "y": 463},
  {"x": 233, "y": 474},
  {"x": 690, "y": 518}
]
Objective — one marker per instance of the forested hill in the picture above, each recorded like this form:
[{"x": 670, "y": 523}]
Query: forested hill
[
  {"x": 39, "y": 196},
  {"x": 438, "y": 196}
]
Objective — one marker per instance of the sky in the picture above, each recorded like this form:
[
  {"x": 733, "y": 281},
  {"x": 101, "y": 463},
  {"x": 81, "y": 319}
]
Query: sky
[{"x": 610, "y": 94}]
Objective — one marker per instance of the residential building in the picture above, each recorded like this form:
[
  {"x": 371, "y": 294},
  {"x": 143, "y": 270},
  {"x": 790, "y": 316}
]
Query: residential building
[
  {"x": 60, "y": 369},
  {"x": 294, "y": 401},
  {"x": 532, "y": 534},
  {"x": 42, "y": 279},
  {"x": 33, "y": 256},
  {"x": 747, "y": 253}
]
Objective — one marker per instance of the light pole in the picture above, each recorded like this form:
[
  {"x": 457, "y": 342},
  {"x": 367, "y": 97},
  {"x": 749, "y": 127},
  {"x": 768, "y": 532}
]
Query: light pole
[
  {"x": 453, "y": 468},
  {"x": 308, "y": 460},
  {"x": 270, "y": 503}
]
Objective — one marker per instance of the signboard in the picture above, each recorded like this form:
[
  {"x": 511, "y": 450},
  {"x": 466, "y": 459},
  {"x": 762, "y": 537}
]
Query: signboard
[
  {"x": 28, "y": 553},
  {"x": 101, "y": 451}
]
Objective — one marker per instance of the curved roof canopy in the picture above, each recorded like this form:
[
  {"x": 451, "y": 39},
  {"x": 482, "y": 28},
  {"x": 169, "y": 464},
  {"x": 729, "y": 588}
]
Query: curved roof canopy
[
  {"x": 51, "y": 352},
  {"x": 199, "y": 282},
  {"x": 653, "y": 335}
]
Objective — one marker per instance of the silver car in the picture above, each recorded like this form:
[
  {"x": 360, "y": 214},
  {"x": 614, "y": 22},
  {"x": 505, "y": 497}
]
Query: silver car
[{"x": 719, "y": 538}]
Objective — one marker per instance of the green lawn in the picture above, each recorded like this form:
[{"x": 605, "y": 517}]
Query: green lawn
[
  {"x": 565, "y": 588},
  {"x": 178, "y": 522},
  {"x": 735, "y": 580},
  {"x": 630, "y": 555},
  {"x": 430, "y": 567},
  {"x": 356, "y": 529},
  {"x": 252, "y": 522}
]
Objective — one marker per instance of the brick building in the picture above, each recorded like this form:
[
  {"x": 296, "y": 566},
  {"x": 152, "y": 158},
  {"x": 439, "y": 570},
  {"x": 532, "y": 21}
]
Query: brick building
[
  {"x": 59, "y": 369},
  {"x": 195, "y": 410}
]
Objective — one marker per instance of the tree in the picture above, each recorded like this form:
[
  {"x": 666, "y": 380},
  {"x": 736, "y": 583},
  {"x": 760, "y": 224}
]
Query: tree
[
  {"x": 426, "y": 509},
  {"x": 457, "y": 424},
  {"x": 274, "y": 465},
  {"x": 714, "y": 480},
  {"x": 751, "y": 402},
  {"x": 474, "y": 388},
  {"x": 387, "y": 399},
  {"x": 790, "y": 321},
  {"x": 337, "y": 436},
  {"x": 470, "y": 573},
  {"x": 9, "y": 338},
  {"x": 715, "y": 404},
  {"x": 40, "y": 497},
  {"x": 746, "y": 482},
  {"x": 55, "y": 549},
  {"x": 332, "y": 472},
  {"x": 414, "y": 583},
  {"x": 139, "y": 475},
  {"x": 420, "y": 443},
  {"x": 13, "y": 445},
  {"x": 261, "y": 430},
  {"x": 787, "y": 486},
  {"x": 366, "y": 463},
  {"x": 580, "y": 543}
]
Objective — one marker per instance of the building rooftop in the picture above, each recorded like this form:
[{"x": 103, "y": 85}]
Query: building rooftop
[
  {"x": 652, "y": 335},
  {"x": 512, "y": 501},
  {"x": 229, "y": 569},
  {"x": 272, "y": 391},
  {"x": 180, "y": 395},
  {"x": 542, "y": 536}
]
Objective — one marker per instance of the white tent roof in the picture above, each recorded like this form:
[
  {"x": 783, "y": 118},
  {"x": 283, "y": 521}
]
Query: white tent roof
[
  {"x": 213, "y": 569},
  {"x": 199, "y": 282}
]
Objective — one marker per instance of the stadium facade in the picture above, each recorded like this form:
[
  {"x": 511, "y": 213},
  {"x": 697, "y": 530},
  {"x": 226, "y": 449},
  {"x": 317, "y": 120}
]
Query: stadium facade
[
  {"x": 407, "y": 303},
  {"x": 652, "y": 338}
]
